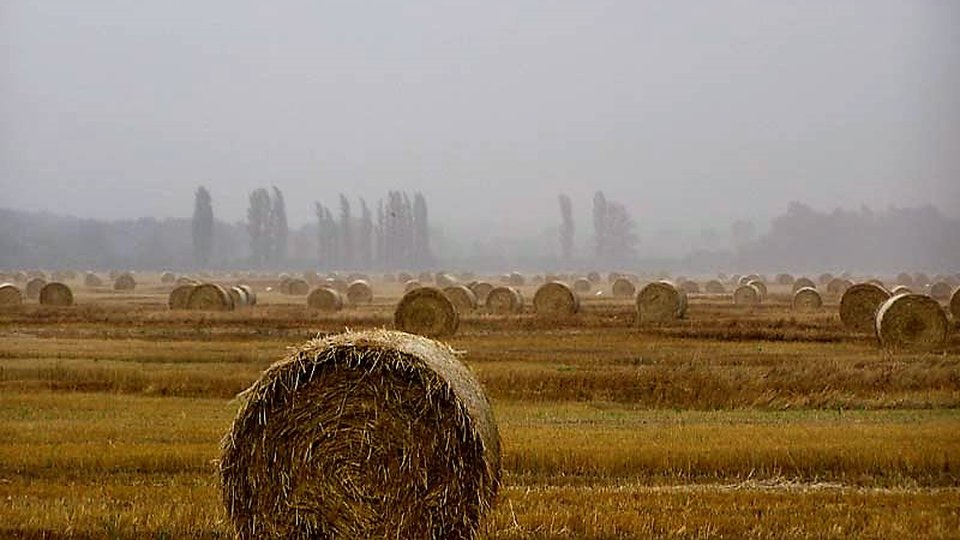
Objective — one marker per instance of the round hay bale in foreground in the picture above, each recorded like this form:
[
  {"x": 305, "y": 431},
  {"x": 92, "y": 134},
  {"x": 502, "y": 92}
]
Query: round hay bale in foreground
[
  {"x": 359, "y": 292},
  {"x": 168, "y": 277},
  {"x": 858, "y": 306},
  {"x": 715, "y": 286},
  {"x": 179, "y": 296},
  {"x": 374, "y": 434},
  {"x": 124, "y": 282},
  {"x": 900, "y": 289},
  {"x": 747, "y": 295},
  {"x": 461, "y": 297},
  {"x": 325, "y": 299},
  {"x": 761, "y": 286},
  {"x": 623, "y": 288},
  {"x": 555, "y": 300},
  {"x": 251, "y": 295},
  {"x": 582, "y": 285},
  {"x": 34, "y": 286},
  {"x": 209, "y": 297},
  {"x": 10, "y": 295},
  {"x": 940, "y": 290},
  {"x": 800, "y": 283},
  {"x": 955, "y": 305},
  {"x": 238, "y": 296},
  {"x": 660, "y": 301},
  {"x": 807, "y": 299},
  {"x": 56, "y": 294},
  {"x": 504, "y": 300},
  {"x": 911, "y": 321},
  {"x": 481, "y": 289},
  {"x": 427, "y": 312}
]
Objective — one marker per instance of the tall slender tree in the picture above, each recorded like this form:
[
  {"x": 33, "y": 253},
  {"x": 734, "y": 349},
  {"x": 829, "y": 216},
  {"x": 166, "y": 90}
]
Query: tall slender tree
[
  {"x": 566, "y": 229},
  {"x": 202, "y": 227},
  {"x": 346, "y": 234},
  {"x": 258, "y": 226},
  {"x": 365, "y": 230},
  {"x": 600, "y": 223},
  {"x": 421, "y": 231},
  {"x": 279, "y": 230}
]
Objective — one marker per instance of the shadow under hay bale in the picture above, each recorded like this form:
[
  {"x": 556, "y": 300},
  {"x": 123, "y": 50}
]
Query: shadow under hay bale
[
  {"x": 911, "y": 321},
  {"x": 377, "y": 434},
  {"x": 859, "y": 304},
  {"x": 555, "y": 300},
  {"x": 427, "y": 312},
  {"x": 56, "y": 294}
]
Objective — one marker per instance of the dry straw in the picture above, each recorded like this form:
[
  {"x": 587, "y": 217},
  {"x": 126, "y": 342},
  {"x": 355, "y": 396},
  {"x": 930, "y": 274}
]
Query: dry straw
[
  {"x": 859, "y": 304},
  {"x": 940, "y": 290},
  {"x": 339, "y": 285},
  {"x": 761, "y": 286},
  {"x": 911, "y": 321},
  {"x": 955, "y": 305},
  {"x": 623, "y": 288},
  {"x": 803, "y": 282},
  {"x": 582, "y": 285},
  {"x": 56, "y": 294},
  {"x": 375, "y": 434},
  {"x": 660, "y": 301},
  {"x": 445, "y": 280},
  {"x": 555, "y": 300},
  {"x": 901, "y": 289},
  {"x": 807, "y": 299},
  {"x": 168, "y": 277},
  {"x": 10, "y": 295},
  {"x": 34, "y": 286},
  {"x": 747, "y": 295},
  {"x": 427, "y": 312},
  {"x": 238, "y": 296},
  {"x": 124, "y": 282},
  {"x": 251, "y": 295},
  {"x": 504, "y": 300},
  {"x": 461, "y": 297},
  {"x": 325, "y": 299},
  {"x": 359, "y": 292},
  {"x": 179, "y": 296},
  {"x": 209, "y": 297},
  {"x": 715, "y": 286},
  {"x": 482, "y": 290}
]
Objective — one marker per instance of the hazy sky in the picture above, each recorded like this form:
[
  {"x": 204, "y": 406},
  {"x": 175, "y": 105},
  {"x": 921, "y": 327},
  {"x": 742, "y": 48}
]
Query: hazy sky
[{"x": 689, "y": 113}]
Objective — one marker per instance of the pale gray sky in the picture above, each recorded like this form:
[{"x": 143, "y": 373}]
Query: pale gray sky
[{"x": 688, "y": 112}]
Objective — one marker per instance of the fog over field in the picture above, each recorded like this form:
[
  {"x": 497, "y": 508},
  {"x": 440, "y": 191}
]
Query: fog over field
[{"x": 692, "y": 115}]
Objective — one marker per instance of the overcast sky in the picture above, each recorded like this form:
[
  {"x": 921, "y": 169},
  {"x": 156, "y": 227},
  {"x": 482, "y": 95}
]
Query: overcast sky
[{"x": 689, "y": 113}]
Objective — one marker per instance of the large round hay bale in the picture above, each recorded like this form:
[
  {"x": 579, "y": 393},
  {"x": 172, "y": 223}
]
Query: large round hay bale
[
  {"x": 955, "y": 305},
  {"x": 34, "y": 286},
  {"x": 444, "y": 280},
  {"x": 375, "y": 434},
  {"x": 179, "y": 296},
  {"x": 858, "y": 306},
  {"x": 807, "y": 299},
  {"x": 747, "y": 295},
  {"x": 825, "y": 278},
  {"x": 660, "y": 301},
  {"x": 411, "y": 284},
  {"x": 251, "y": 294},
  {"x": 238, "y": 296},
  {"x": 124, "y": 282},
  {"x": 761, "y": 286},
  {"x": 582, "y": 285},
  {"x": 940, "y": 290},
  {"x": 504, "y": 300},
  {"x": 904, "y": 279},
  {"x": 623, "y": 288},
  {"x": 209, "y": 297},
  {"x": 838, "y": 286},
  {"x": 555, "y": 300},
  {"x": 715, "y": 286},
  {"x": 900, "y": 289},
  {"x": 359, "y": 292},
  {"x": 10, "y": 295},
  {"x": 461, "y": 297},
  {"x": 911, "y": 321},
  {"x": 56, "y": 294},
  {"x": 427, "y": 312},
  {"x": 168, "y": 277},
  {"x": 690, "y": 287},
  {"x": 296, "y": 287},
  {"x": 325, "y": 299},
  {"x": 785, "y": 279},
  {"x": 481, "y": 289},
  {"x": 802, "y": 282}
]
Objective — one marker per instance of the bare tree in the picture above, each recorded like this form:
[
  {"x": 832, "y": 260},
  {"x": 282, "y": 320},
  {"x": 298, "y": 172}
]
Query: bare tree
[
  {"x": 566, "y": 229},
  {"x": 202, "y": 226},
  {"x": 258, "y": 226}
]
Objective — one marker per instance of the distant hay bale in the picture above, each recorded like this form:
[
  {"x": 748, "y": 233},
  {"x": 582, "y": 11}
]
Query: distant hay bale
[
  {"x": 955, "y": 305},
  {"x": 921, "y": 280},
  {"x": 168, "y": 277},
  {"x": 593, "y": 277},
  {"x": 359, "y": 292},
  {"x": 838, "y": 286},
  {"x": 743, "y": 280},
  {"x": 251, "y": 295},
  {"x": 325, "y": 299},
  {"x": 338, "y": 284},
  {"x": 613, "y": 276},
  {"x": 238, "y": 296},
  {"x": 940, "y": 290},
  {"x": 296, "y": 287},
  {"x": 715, "y": 286},
  {"x": 427, "y": 312},
  {"x": 481, "y": 289},
  {"x": 504, "y": 300},
  {"x": 690, "y": 286},
  {"x": 425, "y": 277},
  {"x": 404, "y": 277},
  {"x": 807, "y": 299},
  {"x": 310, "y": 277},
  {"x": 461, "y": 297},
  {"x": 444, "y": 280},
  {"x": 92, "y": 280},
  {"x": 179, "y": 296},
  {"x": 900, "y": 289},
  {"x": 660, "y": 301},
  {"x": 10, "y": 295},
  {"x": 555, "y": 300},
  {"x": 911, "y": 321},
  {"x": 757, "y": 277},
  {"x": 582, "y": 285},
  {"x": 747, "y": 295},
  {"x": 209, "y": 297},
  {"x": 516, "y": 279},
  {"x": 56, "y": 294},
  {"x": 825, "y": 278},
  {"x": 34, "y": 286},
  {"x": 411, "y": 285},
  {"x": 785, "y": 279},
  {"x": 802, "y": 282},
  {"x": 124, "y": 282},
  {"x": 735, "y": 280},
  {"x": 623, "y": 288},
  {"x": 374, "y": 434},
  {"x": 859, "y": 304},
  {"x": 761, "y": 286},
  {"x": 904, "y": 279}
]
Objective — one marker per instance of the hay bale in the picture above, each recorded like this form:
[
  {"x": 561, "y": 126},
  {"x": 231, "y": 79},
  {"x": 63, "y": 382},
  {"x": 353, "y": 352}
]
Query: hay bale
[
  {"x": 613, "y": 276},
  {"x": 373, "y": 434},
  {"x": 715, "y": 286},
  {"x": 955, "y": 305},
  {"x": 296, "y": 287},
  {"x": 411, "y": 285},
  {"x": 359, "y": 292},
  {"x": 10, "y": 295},
  {"x": 504, "y": 300},
  {"x": 516, "y": 279},
  {"x": 325, "y": 299},
  {"x": 877, "y": 281},
  {"x": 337, "y": 284},
  {"x": 859, "y": 304},
  {"x": 481, "y": 289},
  {"x": 92, "y": 280},
  {"x": 251, "y": 295},
  {"x": 427, "y": 312},
  {"x": 56, "y": 294},
  {"x": 660, "y": 301},
  {"x": 900, "y": 289},
  {"x": 743, "y": 280},
  {"x": 825, "y": 278},
  {"x": 785, "y": 279},
  {"x": 238, "y": 296},
  {"x": 807, "y": 299},
  {"x": 444, "y": 280},
  {"x": 33, "y": 287},
  {"x": 461, "y": 297},
  {"x": 802, "y": 282},
  {"x": 838, "y": 286},
  {"x": 690, "y": 287},
  {"x": 209, "y": 297},
  {"x": 168, "y": 277},
  {"x": 179, "y": 296},
  {"x": 582, "y": 285},
  {"x": 747, "y": 295},
  {"x": 124, "y": 282},
  {"x": 555, "y": 300},
  {"x": 735, "y": 280},
  {"x": 593, "y": 277},
  {"x": 904, "y": 279},
  {"x": 911, "y": 321},
  {"x": 623, "y": 288},
  {"x": 761, "y": 286},
  {"x": 940, "y": 290}
]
